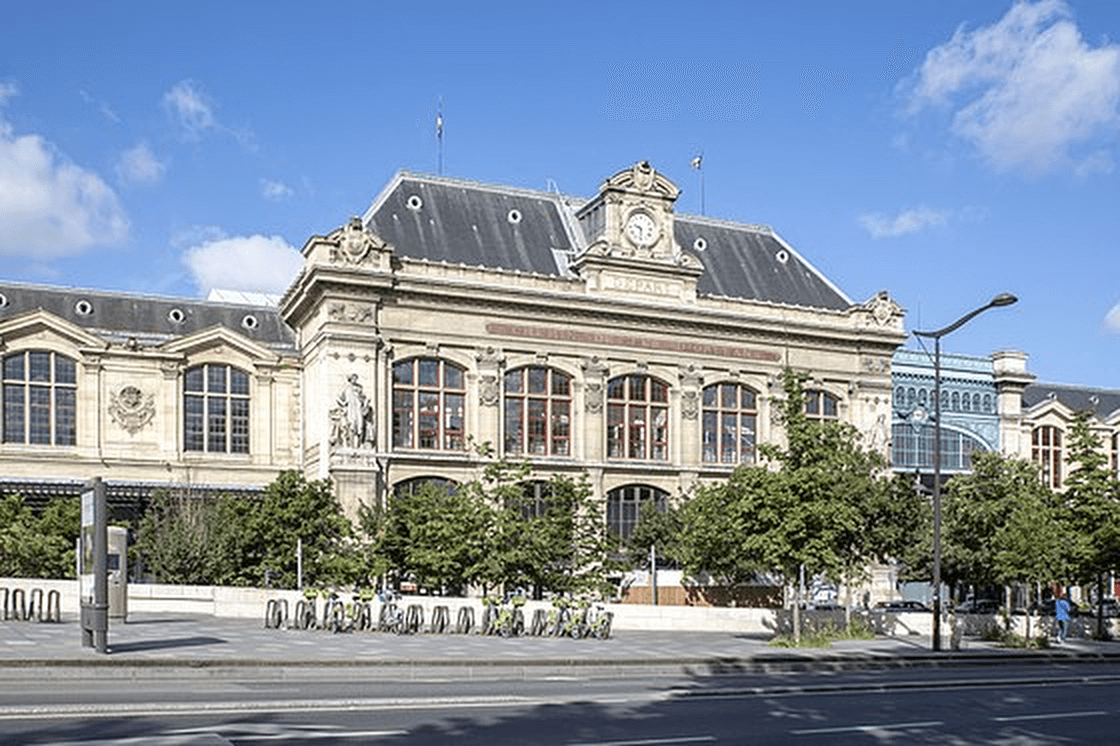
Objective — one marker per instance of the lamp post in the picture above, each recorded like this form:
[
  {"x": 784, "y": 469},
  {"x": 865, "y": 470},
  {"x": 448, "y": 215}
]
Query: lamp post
[{"x": 1003, "y": 299}]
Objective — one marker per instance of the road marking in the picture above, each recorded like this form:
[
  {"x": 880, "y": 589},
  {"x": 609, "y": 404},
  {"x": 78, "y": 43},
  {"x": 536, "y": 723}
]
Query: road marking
[
  {"x": 650, "y": 741},
  {"x": 171, "y": 709},
  {"x": 866, "y": 728},
  {"x": 1050, "y": 716}
]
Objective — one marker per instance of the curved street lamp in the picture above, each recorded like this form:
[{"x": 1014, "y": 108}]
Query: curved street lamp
[{"x": 1003, "y": 299}]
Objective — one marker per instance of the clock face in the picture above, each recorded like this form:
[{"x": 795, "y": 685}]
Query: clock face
[{"x": 641, "y": 229}]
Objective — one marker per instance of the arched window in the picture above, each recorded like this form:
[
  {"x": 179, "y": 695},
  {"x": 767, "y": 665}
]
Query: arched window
[
  {"x": 638, "y": 418},
  {"x": 428, "y": 405},
  {"x": 966, "y": 403},
  {"x": 1046, "y": 450},
  {"x": 624, "y": 507},
  {"x": 900, "y": 397},
  {"x": 923, "y": 397},
  {"x": 956, "y": 401},
  {"x": 40, "y": 398},
  {"x": 409, "y": 487},
  {"x": 538, "y": 412},
  {"x": 988, "y": 403},
  {"x": 911, "y": 397},
  {"x": 216, "y": 409},
  {"x": 912, "y": 448},
  {"x": 821, "y": 405},
  {"x": 976, "y": 402},
  {"x": 534, "y": 498},
  {"x": 730, "y": 419}
]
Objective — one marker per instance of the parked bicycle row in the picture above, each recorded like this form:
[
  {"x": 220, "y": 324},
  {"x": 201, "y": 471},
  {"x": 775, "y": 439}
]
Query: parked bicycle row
[
  {"x": 385, "y": 612},
  {"x": 24, "y": 606}
]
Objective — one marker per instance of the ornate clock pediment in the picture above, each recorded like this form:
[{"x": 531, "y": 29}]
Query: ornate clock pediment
[{"x": 633, "y": 251}]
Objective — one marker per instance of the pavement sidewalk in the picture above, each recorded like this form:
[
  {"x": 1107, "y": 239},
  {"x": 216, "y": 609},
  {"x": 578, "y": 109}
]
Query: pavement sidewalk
[{"x": 156, "y": 640}]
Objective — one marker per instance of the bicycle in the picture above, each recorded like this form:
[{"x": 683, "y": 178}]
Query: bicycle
[
  {"x": 599, "y": 622},
  {"x": 558, "y": 617},
  {"x": 335, "y": 616},
  {"x": 391, "y": 617},
  {"x": 306, "y": 616},
  {"x": 577, "y": 627},
  {"x": 510, "y": 621},
  {"x": 362, "y": 610}
]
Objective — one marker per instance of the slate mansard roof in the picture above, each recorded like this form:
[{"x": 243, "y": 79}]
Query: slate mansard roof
[
  {"x": 1104, "y": 403},
  {"x": 441, "y": 219},
  {"x": 150, "y": 320}
]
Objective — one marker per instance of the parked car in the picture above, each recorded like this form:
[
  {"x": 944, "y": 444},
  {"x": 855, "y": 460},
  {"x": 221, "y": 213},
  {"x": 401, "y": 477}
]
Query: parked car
[
  {"x": 901, "y": 606},
  {"x": 979, "y": 606},
  {"x": 1046, "y": 608}
]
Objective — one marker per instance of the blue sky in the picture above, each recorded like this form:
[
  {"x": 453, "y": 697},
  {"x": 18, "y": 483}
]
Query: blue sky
[{"x": 943, "y": 150}]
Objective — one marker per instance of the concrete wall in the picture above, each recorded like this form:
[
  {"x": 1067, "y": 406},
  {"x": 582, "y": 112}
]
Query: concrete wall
[{"x": 250, "y": 603}]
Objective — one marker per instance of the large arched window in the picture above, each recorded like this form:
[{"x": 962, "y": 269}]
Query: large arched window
[
  {"x": 428, "y": 405},
  {"x": 1046, "y": 451},
  {"x": 912, "y": 448},
  {"x": 40, "y": 398},
  {"x": 730, "y": 419},
  {"x": 216, "y": 409},
  {"x": 638, "y": 418},
  {"x": 409, "y": 487},
  {"x": 538, "y": 412},
  {"x": 821, "y": 405},
  {"x": 624, "y": 507}
]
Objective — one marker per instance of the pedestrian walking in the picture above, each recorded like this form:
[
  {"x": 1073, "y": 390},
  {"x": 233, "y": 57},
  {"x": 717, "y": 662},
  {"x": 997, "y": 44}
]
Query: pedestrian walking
[{"x": 1061, "y": 616}]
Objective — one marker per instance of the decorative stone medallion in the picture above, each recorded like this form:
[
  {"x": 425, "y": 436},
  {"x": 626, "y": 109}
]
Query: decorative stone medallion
[{"x": 131, "y": 408}]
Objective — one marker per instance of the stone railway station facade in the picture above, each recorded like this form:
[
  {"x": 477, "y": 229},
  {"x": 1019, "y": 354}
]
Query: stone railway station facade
[{"x": 604, "y": 335}]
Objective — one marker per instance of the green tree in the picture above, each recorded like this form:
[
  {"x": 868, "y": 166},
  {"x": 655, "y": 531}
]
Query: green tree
[
  {"x": 435, "y": 536},
  {"x": 660, "y": 529},
  {"x": 1002, "y": 525},
  {"x": 816, "y": 507},
  {"x": 1092, "y": 497},
  {"x": 194, "y": 540},
  {"x": 294, "y": 510},
  {"x": 38, "y": 546}
]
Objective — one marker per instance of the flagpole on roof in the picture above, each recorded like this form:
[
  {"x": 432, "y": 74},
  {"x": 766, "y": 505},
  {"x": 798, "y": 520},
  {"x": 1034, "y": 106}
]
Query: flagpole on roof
[
  {"x": 698, "y": 165},
  {"x": 439, "y": 134}
]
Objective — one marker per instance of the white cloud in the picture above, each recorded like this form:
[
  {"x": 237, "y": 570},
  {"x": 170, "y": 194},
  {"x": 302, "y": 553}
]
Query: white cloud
[
  {"x": 1112, "y": 319},
  {"x": 50, "y": 207},
  {"x": 275, "y": 190},
  {"x": 190, "y": 107},
  {"x": 907, "y": 221},
  {"x": 1026, "y": 89},
  {"x": 7, "y": 91},
  {"x": 139, "y": 165},
  {"x": 255, "y": 263}
]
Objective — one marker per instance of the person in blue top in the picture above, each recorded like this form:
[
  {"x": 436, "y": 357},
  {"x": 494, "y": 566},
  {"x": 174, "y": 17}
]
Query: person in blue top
[{"x": 1061, "y": 616}]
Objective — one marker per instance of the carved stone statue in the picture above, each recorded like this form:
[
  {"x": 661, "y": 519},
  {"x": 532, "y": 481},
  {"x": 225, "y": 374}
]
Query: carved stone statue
[{"x": 352, "y": 417}]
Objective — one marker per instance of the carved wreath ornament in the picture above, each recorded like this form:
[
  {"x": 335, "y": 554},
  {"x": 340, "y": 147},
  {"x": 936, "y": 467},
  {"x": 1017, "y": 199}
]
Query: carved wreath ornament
[{"x": 131, "y": 408}]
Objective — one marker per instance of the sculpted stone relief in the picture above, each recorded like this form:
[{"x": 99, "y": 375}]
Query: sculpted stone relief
[
  {"x": 131, "y": 408},
  {"x": 352, "y": 423}
]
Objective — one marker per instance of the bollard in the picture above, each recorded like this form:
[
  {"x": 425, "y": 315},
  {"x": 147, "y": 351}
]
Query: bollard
[{"x": 54, "y": 606}]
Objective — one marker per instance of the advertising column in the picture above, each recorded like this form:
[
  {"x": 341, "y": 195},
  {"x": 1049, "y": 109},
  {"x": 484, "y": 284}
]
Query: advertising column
[{"x": 93, "y": 567}]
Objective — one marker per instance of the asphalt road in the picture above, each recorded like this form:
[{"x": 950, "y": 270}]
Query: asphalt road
[{"x": 1055, "y": 703}]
